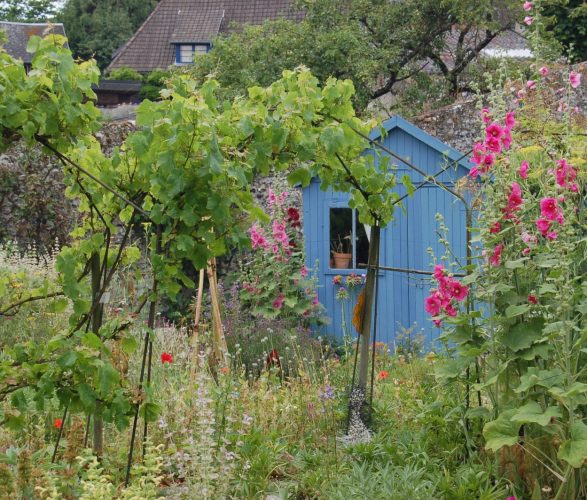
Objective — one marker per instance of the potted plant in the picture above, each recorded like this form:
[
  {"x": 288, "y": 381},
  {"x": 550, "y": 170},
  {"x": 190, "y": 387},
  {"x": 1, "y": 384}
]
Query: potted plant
[{"x": 342, "y": 252}]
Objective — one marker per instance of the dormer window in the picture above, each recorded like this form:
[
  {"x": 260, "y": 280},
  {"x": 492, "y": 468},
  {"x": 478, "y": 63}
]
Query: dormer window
[{"x": 185, "y": 53}]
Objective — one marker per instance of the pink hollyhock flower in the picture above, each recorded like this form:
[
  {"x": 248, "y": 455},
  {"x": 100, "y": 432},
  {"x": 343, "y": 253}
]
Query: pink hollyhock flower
[
  {"x": 549, "y": 208},
  {"x": 495, "y": 227},
  {"x": 506, "y": 140},
  {"x": 432, "y": 304},
  {"x": 529, "y": 239},
  {"x": 521, "y": 94},
  {"x": 275, "y": 248},
  {"x": 523, "y": 171},
  {"x": 257, "y": 237},
  {"x": 575, "y": 79},
  {"x": 438, "y": 272},
  {"x": 478, "y": 150},
  {"x": 515, "y": 199},
  {"x": 315, "y": 300},
  {"x": 510, "y": 120},
  {"x": 526, "y": 251},
  {"x": 474, "y": 172},
  {"x": 304, "y": 271},
  {"x": 532, "y": 299},
  {"x": 450, "y": 311},
  {"x": 494, "y": 130},
  {"x": 552, "y": 235},
  {"x": 458, "y": 290},
  {"x": 528, "y": 20},
  {"x": 527, "y": 6},
  {"x": 495, "y": 259},
  {"x": 530, "y": 84},
  {"x": 543, "y": 71},
  {"x": 278, "y": 302},
  {"x": 437, "y": 322},
  {"x": 488, "y": 161},
  {"x": 543, "y": 226},
  {"x": 564, "y": 173},
  {"x": 272, "y": 197}
]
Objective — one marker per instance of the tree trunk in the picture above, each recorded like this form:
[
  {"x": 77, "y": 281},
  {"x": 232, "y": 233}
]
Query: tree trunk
[{"x": 367, "y": 321}]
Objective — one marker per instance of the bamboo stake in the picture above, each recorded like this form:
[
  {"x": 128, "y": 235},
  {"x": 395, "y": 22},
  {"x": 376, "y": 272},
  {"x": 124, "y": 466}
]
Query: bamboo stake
[{"x": 196, "y": 332}]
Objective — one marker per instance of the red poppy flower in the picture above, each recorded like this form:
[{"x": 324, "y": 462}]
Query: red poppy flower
[
  {"x": 532, "y": 299},
  {"x": 166, "y": 358},
  {"x": 58, "y": 423},
  {"x": 383, "y": 375}
]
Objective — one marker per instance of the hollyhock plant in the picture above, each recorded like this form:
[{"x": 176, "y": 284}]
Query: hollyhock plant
[
  {"x": 528, "y": 20},
  {"x": 549, "y": 208},
  {"x": 528, "y": 6}
]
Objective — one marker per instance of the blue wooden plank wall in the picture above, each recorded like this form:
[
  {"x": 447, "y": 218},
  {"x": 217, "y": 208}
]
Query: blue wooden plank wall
[{"x": 405, "y": 242}]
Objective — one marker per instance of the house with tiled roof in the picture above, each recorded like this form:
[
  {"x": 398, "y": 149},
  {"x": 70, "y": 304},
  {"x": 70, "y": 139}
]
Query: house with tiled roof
[
  {"x": 179, "y": 30},
  {"x": 18, "y": 35}
]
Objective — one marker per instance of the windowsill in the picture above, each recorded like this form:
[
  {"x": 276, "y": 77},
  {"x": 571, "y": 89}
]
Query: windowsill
[{"x": 345, "y": 272}]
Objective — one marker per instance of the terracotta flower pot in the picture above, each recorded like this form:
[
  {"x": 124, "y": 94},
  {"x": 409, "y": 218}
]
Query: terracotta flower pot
[{"x": 342, "y": 260}]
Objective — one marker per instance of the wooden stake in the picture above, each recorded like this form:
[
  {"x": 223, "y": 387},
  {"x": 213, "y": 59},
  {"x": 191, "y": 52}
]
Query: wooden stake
[
  {"x": 196, "y": 332},
  {"x": 219, "y": 341}
]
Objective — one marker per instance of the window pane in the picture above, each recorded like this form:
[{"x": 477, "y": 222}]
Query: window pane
[
  {"x": 186, "y": 55},
  {"x": 341, "y": 230},
  {"x": 362, "y": 244},
  {"x": 201, "y": 49}
]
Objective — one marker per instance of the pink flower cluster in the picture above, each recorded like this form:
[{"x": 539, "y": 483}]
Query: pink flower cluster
[
  {"x": 497, "y": 138},
  {"x": 515, "y": 201},
  {"x": 276, "y": 199},
  {"x": 440, "y": 299},
  {"x": 565, "y": 175},
  {"x": 550, "y": 212}
]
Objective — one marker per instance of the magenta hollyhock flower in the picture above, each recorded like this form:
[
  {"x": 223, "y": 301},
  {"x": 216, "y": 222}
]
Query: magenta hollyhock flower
[
  {"x": 458, "y": 290},
  {"x": 549, "y": 208},
  {"x": 437, "y": 322},
  {"x": 575, "y": 79},
  {"x": 488, "y": 161},
  {"x": 523, "y": 171},
  {"x": 474, "y": 172},
  {"x": 257, "y": 237},
  {"x": 527, "y": 6},
  {"x": 272, "y": 197},
  {"x": 278, "y": 302},
  {"x": 433, "y": 303},
  {"x": 565, "y": 174},
  {"x": 530, "y": 84},
  {"x": 515, "y": 199},
  {"x": 495, "y": 227},
  {"x": 494, "y": 130},
  {"x": 543, "y": 226},
  {"x": 543, "y": 71},
  {"x": 552, "y": 235},
  {"x": 528, "y": 20},
  {"x": 478, "y": 150},
  {"x": 510, "y": 120},
  {"x": 526, "y": 251},
  {"x": 495, "y": 259},
  {"x": 450, "y": 311},
  {"x": 506, "y": 139},
  {"x": 493, "y": 144}
]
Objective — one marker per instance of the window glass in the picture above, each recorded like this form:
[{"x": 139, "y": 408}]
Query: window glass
[
  {"x": 200, "y": 48},
  {"x": 349, "y": 240},
  {"x": 186, "y": 54},
  {"x": 341, "y": 231}
]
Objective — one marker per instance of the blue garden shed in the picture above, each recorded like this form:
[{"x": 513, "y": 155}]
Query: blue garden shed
[{"x": 338, "y": 243}]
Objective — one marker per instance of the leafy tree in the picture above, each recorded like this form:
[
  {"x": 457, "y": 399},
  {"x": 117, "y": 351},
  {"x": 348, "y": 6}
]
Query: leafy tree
[
  {"x": 377, "y": 44},
  {"x": 97, "y": 28},
  {"x": 30, "y": 11},
  {"x": 568, "y": 22}
]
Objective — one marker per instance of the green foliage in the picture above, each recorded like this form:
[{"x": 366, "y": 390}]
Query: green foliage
[
  {"x": 125, "y": 73},
  {"x": 375, "y": 44},
  {"x": 155, "y": 82},
  {"x": 98, "y": 29},
  {"x": 32, "y": 11},
  {"x": 567, "y": 20}
]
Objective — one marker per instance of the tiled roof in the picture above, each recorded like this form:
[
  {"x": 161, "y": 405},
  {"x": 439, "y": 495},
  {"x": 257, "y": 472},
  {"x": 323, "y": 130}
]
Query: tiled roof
[
  {"x": 174, "y": 21},
  {"x": 19, "y": 34}
]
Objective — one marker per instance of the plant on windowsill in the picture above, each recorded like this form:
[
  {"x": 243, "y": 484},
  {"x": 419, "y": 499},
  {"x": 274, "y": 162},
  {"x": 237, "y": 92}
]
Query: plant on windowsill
[{"x": 342, "y": 253}]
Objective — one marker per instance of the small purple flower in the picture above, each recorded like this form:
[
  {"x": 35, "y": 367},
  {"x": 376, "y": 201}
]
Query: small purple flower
[{"x": 326, "y": 393}]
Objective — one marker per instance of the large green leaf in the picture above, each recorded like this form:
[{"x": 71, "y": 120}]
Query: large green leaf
[
  {"x": 532, "y": 413},
  {"x": 523, "y": 335},
  {"x": 543, "y": 378},
  {"x": 501, "y": 432},
  {"x": 574, "y": 450}
]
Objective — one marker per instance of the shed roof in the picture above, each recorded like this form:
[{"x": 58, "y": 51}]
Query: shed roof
[
  {"x": 193, "y": 21},
  {"x": 19, "y": 34},
  {"x": 397, "y": 122}
]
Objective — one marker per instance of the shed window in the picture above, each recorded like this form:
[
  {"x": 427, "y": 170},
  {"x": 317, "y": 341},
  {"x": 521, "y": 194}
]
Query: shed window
[
  {"x": 349, "y": 240},
  {"x": 185, "y": 53}
]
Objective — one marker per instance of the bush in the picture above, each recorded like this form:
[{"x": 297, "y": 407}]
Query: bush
[{"x": 125, "y": 73}]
